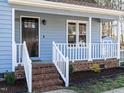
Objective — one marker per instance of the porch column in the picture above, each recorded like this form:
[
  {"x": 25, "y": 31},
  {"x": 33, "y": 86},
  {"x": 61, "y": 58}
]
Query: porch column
[
  {"x": 13, "y": 40},
  {"x": 118, "y": 37},
  {"x": 89, "y": 39}
]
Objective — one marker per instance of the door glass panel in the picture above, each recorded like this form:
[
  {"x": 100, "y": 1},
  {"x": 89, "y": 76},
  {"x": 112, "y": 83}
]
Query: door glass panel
[
  {"x": 71, "y": 32},
  {"x": 30, "y": 35}
]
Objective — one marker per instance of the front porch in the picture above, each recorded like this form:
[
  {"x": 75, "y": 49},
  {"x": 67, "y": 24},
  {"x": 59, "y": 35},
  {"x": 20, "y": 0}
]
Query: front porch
[
  {"x": 61, "y": 40},
  {"x": 78, "y": 38},
  {"x": 72, "y": 47}
]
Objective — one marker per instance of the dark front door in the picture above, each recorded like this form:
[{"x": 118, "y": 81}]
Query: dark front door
[{"x": 30, "y": 34}]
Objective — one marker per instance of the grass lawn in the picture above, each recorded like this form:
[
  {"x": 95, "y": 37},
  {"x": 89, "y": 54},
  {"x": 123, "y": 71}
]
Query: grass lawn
[{"x": 99, "y": 86}]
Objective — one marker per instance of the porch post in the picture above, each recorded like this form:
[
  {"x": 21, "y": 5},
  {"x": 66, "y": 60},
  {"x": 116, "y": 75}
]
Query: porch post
[
  {"x": 89, "y": 39},
  {"x": 118, "y": 38},
  {"x": 13, "y": 40}
]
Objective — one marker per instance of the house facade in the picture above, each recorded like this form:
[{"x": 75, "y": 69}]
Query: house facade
[{"x": 54, "y": 32}]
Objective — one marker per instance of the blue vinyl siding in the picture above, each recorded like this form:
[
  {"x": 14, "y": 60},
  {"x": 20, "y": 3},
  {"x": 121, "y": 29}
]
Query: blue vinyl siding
[
  {"x": 5, "y": 36},
  {"x": 54, "y": 30}
]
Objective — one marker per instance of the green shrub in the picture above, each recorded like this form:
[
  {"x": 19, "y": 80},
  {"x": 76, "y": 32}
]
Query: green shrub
[
  {"x": 95, "y": 68},
  {"x": 10, "y": 78}
]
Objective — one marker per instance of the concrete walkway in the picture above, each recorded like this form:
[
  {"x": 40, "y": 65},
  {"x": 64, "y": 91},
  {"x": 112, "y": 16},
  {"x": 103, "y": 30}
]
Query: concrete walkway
[
  {"x": 61, "y": 91},
  {"x": 120, "y": 90}
]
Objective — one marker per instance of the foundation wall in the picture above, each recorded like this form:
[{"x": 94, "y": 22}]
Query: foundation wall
[{"x": 86, "y": 65}]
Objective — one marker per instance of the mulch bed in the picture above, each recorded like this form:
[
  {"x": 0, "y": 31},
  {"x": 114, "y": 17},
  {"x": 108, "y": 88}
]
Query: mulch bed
[
  {"x": 84, "y": 77},
  {"x": 18, "y": 87}
]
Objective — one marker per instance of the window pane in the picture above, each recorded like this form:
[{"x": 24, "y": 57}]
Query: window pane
[
  {"x": 82, "y": 38},
  {"x": 71, "y": 32},
  {"x": 72, "y": 28},
  {"x": 82, "y": 33},
  {"x": 71, "y": 38}
]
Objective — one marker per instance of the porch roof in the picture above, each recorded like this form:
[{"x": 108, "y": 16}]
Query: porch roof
[{"x": 65, "y": 7}]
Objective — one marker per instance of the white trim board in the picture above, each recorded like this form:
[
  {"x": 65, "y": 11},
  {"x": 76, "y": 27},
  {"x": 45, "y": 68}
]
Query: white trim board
[
  {"x": 38, "y": 29},
  {"x": 13, "y": 39},
  {"x": 65, "y": 6}
]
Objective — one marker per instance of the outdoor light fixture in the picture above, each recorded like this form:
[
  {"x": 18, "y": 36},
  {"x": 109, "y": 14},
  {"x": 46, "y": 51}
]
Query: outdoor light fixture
[{"x": 44, "y": 22}]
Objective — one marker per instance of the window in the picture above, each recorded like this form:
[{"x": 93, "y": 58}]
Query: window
[
  {"x": 109, "y": 29},
  {"x": 29, "y": 24},
  {"x": 71, "y": 32},
  {"x": 82, "y": 33},
  {"x": 76, "y": 32}
]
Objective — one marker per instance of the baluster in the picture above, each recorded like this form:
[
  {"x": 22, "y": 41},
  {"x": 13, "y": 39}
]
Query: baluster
[
  {"x": 19, "y": 52},
  {"x": 84, "y": 51},
  {"x": 64, "y": 49},
  {"x": 81, "y": 56},
  {"x": 76, "y": 51},
  {"x": 73, "y": 52},
  {"x": 92, "y": 45},
  {"x": 61, "y": 47}
]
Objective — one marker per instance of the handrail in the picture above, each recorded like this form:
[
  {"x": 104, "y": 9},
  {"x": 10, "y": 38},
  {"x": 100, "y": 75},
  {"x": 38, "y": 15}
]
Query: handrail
[
  {"x": 61, "y": 63},
  {"x": 27, "y": 67}
]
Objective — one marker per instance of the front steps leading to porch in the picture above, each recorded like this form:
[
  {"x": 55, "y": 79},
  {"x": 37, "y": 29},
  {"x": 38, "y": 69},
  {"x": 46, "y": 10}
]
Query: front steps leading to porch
[{"x": 45, "y": 77}]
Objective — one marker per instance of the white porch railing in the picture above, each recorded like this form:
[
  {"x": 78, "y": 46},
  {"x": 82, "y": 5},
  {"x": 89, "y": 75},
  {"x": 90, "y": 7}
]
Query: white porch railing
[
  {"x": 103, "y": 50},
  {"x": 73, "y": 51},
  {"x": 27, "y": 67},
  {"x": 62, "y": 64},
  {"x": 76, "y": 52}
]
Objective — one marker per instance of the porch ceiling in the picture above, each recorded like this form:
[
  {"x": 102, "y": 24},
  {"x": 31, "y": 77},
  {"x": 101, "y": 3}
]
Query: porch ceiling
[{"x": 65, "y": 7}]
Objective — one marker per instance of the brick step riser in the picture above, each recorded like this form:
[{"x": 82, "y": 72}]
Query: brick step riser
[
  {"x": 42, "y": 65},
  {"x": 48, "y": 89},
  {"x": 43, "y": 77},
  {"x": 52, "y": 81},
  {"x": 36, "y": 72},
  {"x": 46, "y": 85},
  {"x": 41, "y": 68}
]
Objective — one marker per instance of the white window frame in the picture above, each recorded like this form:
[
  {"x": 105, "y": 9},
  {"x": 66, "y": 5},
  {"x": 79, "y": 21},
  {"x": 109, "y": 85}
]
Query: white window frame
[{"x": 77, "y": 29}]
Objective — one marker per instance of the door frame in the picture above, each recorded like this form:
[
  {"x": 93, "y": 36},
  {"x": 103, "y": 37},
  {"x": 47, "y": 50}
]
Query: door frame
[{"x": 38, "y": 31}]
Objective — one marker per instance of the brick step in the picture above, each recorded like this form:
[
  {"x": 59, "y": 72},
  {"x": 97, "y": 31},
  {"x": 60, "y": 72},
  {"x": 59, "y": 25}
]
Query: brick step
[
  {"x": 45, "y": 89},
  {"x": 45, "y": 76},
  {"x": 19, "y": 67},
  {"x": 37, "y": 65},
  {"x": 47, "y": 83},
  {"x": 44, "y": 70},
  {"x": 19, "y": 71}
]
